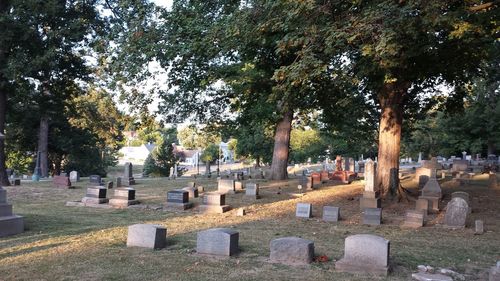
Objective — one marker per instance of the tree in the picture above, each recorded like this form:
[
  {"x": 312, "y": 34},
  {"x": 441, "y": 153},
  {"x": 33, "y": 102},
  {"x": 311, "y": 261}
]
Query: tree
[
  {"x": 161, "y": 159},
  {"x": 209, "y": 155}
]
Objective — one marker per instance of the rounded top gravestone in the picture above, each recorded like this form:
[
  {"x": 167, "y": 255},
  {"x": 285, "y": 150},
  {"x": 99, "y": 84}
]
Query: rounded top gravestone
[{"x": 456, "y": 213}]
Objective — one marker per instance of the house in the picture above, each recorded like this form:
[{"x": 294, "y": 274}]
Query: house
[{"x": 135, "y": 154}]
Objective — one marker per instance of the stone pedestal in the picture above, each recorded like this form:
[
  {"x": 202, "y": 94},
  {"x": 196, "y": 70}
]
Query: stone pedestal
[
  {"x": 10, "y": 224},
  {"x": 217, "y": 242},
  {"x": 292, "y": 251},
  {"x": 433, "y": 203},
  {"x": 178, "y": 199},
  {"x": 369, "y": 200},
  {"x": 147, "y": 236}
]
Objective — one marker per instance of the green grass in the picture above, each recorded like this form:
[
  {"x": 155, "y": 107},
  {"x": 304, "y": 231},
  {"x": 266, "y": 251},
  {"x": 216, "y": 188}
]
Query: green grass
[{"x": 77, "y": 243}]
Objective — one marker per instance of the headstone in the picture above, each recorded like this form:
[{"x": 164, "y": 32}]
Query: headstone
[
  {"x": 238, "y": 186},
  {"x": 479, "y": 227},
  {"x": 461, "y": 194},
  {"x": 331, "y": 214},
  {"x": 193, "y": 191},
  {"x": 456, "y": 213},
  {"x": 74, "y": 176},
  {"x": 214, "y": 202},
  {"x": 366, "y": 254},
  {"x": 346, "y": 164},
  {"x": 351, "y": 165},
  {"x": 414, "y": 219},
  {"x": 419, "y": 157},
  {"x": 291, "y": 251},
  {"x": 201, "y": 189},
  {"x": 15, "y": 182},
  {"x": 147, "y": 236},
  {"x": 492, "y": 180},
  {"x": 316, "y": 180},
  {"x": 422, "y": 175},
  {"x": 95, "y": 195},
  {"x": 241, "y": 212},
  {"x": 371, "y": 198},
  {"x": 304, "y": 210},
  {"x": 123, "y": 198},
  {"x": 324, "y": 177},
  {"x": 95, "y": 180},
  {"x": 109, "y": 185},
  {"x": 118, "y": 182},
  {"x": 226, "y": 186},
  {"x": 464, "y": 155},
  {"x": 191, "y": 184},
  {"x": 372, "y": 216},
  {"x": 178, "y": 199},
  {"x": 128, "y": 174},
  {"x": 10, "y": 224},
  {"x": 252, "y": 190},
  {"x": 218, "y": 242},
  {"x": 61, "y": 182}
]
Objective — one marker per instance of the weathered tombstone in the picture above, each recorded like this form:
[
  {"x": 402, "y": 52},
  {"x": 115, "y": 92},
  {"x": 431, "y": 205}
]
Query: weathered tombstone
[
  {"x": 241, "y": 212},
  {"x": 365, "y": 253},
  {"x": 123, "y": 198},
  {"x": 226, "y": 186},
  {"x": 432, "y": 192},
  {"x": 331, "y": 214},
  {"x": 291, "y": 251},
  {"x": 10, "y": 224},
  {"x": 193, "y": 191},
  {"x": 324, "y": 177},
  {"x": 492, "y": 180},
  {"x": 479, "y": 227},
  {"x": 372, "y": 216},
  {"x": 351, "y": 165},
  {"x": 414, "y": 219},
  {"x": 346, "y": 164},
  {"x": 456, "y": 213},
  {"x": 95, "y": 180},
  {"x": 217, "y": 241},
  {"x": 252, "y": 191},
  {"x": 147, "y": 236},
  {"x": 178, "y": 199},
  {"x": 460, "y": 165},
  {"x": 128, "y": 174},
  {"x": 61, "y": 182},
  {"x": 316, "y": 180},
  {"x": 370, "y": 197},
  {"x": 118, "y": 182},
  {"x": 74, "y": 176},
  {"x": 304, "y": 210},
  {"x": 109, "y": 185},
  {"x": 214, "y": 202},
  {"x": 15, "y": 182},
  {"x": 191, "y": 184},
  {"x": 95, "y": 195}
]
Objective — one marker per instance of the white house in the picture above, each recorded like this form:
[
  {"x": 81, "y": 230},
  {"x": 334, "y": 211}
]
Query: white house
[{"x": 135, "y": 154}]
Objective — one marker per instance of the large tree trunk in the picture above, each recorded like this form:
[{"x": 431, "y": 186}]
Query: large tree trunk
[
  {"x": 389, "y": 142},
  {"x": 4, "y": 180},
  {"x": 257, "y": 161},
  {"x": 43, "y": 146},
  {"x": 281, "y": 147}
]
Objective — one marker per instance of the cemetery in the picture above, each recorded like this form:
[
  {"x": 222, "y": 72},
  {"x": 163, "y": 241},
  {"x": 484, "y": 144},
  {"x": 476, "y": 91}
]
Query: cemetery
[{"x": 249, "y": 140}]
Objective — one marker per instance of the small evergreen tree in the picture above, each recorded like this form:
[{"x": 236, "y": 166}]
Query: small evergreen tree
[{"x": 161, "y": 159}]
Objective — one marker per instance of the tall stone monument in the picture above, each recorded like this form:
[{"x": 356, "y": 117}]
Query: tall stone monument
[
  {"x": 371, "y": 196},
  {"x": 432, "y": 192},
  {"x": 128, "y": 176},
  {"x": 10, "y": 224}
]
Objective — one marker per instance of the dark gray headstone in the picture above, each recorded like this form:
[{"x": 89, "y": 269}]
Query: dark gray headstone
[
  {"x": 372, "y": 216},
  {"x": 217, "y": 241},
  {"x": 331, "y": 213},
  {"x": 304, "y": 210},
  {"x": 178, "y": 196}
]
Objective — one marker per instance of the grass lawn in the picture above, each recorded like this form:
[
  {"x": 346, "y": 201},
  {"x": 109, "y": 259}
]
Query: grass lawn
[{"x": 81, "y": 243}]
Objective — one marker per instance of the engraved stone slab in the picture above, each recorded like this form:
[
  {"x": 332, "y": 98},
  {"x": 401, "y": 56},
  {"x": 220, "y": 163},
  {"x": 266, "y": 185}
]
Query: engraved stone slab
[
  {"x": 365, "y": 253},
  {"x": 370, "y": 175},
  {"x": 177, "y": 196},
  {"x": 372, "y": 216},
  {"x": 456, "y": 213},
  {"x": 414, "y": 218},
  {"x": 217, "y": 241},
  {"x": 292, "y": 251},
  {"x": 226, "y": 186},
  {"x": 252, "y": 190},
  {"x": 192, "y": 191},
  {"x": 432, "y": 188},
  {"x": 61, "y": 181},
  {"x": 74, "y": 176},
  {"x": 331, "y": 214},
  {"x": 147, "y": 236},
  {"x": 96, "y": 192},
  {"x": 95, "y": 179},
  {"x": 304, "y": 210}
]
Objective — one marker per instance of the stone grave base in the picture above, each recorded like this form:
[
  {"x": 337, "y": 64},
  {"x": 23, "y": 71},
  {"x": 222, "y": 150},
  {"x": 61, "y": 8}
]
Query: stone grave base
[
  {"x": 82, "y": 204},
  {"x": 178, "y": 206},
  {"x": 122, "y": 203},
  {"x": 350, "y": 266},
  {"x": 92, "y": 200},
  {"x": 251, "y": 198},
  {"x": 11, "y": 225},
  {"x": 211, "y": 209}
]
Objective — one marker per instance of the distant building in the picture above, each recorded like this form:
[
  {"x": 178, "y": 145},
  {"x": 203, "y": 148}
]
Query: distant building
[
  {"x": 136, "y": 154},
  {"x": 187, "y": 156}
]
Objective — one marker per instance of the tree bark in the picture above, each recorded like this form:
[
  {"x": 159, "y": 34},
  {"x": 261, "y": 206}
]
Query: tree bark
[
  {"x": 281, "y": 147},
  {"x": 43, "y": 146},
  {"x": 389, "y": 143},
  {"x": 257, "y": 161}
]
